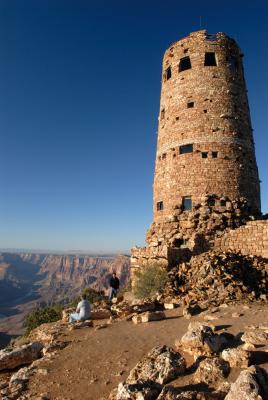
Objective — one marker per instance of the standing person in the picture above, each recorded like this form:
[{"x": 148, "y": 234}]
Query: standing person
[
  {"x": 114, "y": 284},
  {"x": 82, "y": 310}
]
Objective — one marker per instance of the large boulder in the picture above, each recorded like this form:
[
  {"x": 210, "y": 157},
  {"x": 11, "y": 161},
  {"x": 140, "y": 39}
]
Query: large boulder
[
  {"x": 212, "y": 371},
  {"x": 237, "y": 358},
  {"x": 161, "y": 365},
  {"x": 26, "y": 354},
  {"x": 201, "y": 340},
  {"x": 252, "y": 384}
]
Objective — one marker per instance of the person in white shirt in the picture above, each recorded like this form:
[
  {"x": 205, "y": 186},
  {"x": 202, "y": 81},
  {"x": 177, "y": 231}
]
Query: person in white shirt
[{"x": 82, "y": 311}]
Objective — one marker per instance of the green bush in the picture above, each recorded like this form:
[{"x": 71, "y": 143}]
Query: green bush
[
  {"x": 149, "y": 280},
  {"x": 92, "y": 296},
  {"x": 42, "y": 315}
]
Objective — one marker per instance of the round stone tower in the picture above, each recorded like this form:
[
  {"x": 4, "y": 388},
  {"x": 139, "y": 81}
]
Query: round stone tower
[
  {"x": 205, "y": 144},
  {"x": 206, "y": 180}
]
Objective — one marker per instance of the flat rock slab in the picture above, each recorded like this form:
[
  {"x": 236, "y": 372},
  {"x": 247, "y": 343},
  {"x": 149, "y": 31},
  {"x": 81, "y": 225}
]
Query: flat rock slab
[
  {"x": 82, "y": 324},
  {"x": 149, "y": 316},
  {"x": 100, "y": 314},
  {"x": 10, "y": 359},
  {"x": 170, "y": 306}
]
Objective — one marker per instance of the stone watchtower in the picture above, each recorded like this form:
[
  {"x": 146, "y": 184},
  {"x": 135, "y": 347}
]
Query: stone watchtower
[{"x": 206, "y": 176}]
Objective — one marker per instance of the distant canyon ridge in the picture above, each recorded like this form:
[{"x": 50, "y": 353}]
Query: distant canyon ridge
[{"x": 28, "y": 280}]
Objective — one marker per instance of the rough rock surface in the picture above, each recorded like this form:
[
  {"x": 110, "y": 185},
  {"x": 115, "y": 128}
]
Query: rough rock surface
[
  {"x": 152, "y": 316},
  {"x": 212, "y": 371},
  {"x": 82, "y": 324},
  {"x": 255, "y": 337},
  {"x": 124, "y": 309},
  {"x": 18, "y": 381},
  {"x": 100, "y": 314},
  {"x": 47, "y": 333},
  {"x": 142, "y": 390},
  {"x": 141, "y": 306},
  {"x": 171, "y": 393},
  {"x": 201, "y": 340},
  {"x": 214, "y": 278},
  {"x": 161, "y": 365},
  {"x": 26, "y": 354},
  {"x": 252, "y": 384},
  {"x": 148, "y": 317},
  {"x": 237, "y": 357}
]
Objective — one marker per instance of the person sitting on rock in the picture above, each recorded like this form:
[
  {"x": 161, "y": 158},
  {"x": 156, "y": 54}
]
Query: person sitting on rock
[
  {"x": 114, "y": 285},
  {"x": 82, "y": 311}
]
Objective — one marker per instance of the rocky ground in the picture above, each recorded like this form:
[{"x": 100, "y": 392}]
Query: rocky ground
[
  {"x": 119, "y": 359},
  {"x": 213, "y": 278}
]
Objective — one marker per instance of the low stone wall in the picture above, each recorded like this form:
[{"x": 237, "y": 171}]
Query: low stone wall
[
  {"x": 250, "y": 239},
  {"x": 142, "y": 256},
  {"x": 165, "y": 256}
]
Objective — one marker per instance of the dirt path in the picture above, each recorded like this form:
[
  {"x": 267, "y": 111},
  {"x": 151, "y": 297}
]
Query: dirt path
[{"x": 94, "y": 362}]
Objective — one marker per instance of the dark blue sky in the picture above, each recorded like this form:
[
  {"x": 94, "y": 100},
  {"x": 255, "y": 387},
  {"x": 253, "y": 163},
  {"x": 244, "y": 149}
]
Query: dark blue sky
[{"x": 79, "y": 99}]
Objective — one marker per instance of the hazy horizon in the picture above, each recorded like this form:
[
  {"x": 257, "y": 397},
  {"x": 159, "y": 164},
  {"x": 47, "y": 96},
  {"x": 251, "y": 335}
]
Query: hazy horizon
[{"x": 64, "y": 252}]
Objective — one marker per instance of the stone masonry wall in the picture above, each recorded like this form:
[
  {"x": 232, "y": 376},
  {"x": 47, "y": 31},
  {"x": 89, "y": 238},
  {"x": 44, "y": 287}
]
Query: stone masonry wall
[{"x": 250, "y": 239}]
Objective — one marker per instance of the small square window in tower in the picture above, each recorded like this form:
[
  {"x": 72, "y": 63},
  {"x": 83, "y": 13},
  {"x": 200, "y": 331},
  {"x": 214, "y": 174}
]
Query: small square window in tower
[
  {"x": 162, "y": 114},
  {"x": 190, "y": 104},
  {"x": 210, "y": 60},
  {"x": 180, "y": 243},
  {"x": 211, "y": 202},
  {"x": 187, "y": 203},
  {"x": 160, "y": 206},
  {"x": 204, "y": 154},
  {"x": 185, "y": 63},
  {"x": 214, "y": 154},
  {"x": 186, "y": 148},
  {"x": 168, "y": 73}
]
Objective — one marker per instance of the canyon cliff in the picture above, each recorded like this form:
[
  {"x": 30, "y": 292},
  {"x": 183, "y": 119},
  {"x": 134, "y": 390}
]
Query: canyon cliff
[{"x": 28, "y": 280}]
